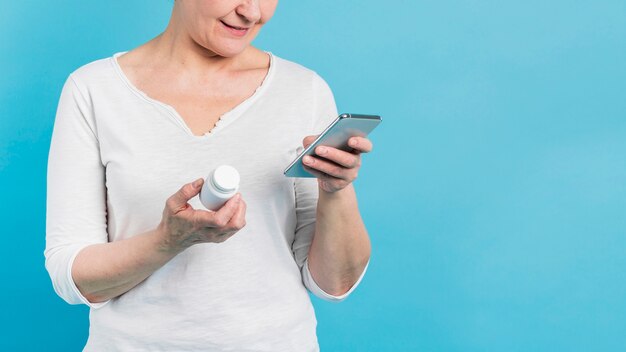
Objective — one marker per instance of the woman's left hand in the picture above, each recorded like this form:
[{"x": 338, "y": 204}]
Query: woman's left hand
[{"x": 334, "y": 168}]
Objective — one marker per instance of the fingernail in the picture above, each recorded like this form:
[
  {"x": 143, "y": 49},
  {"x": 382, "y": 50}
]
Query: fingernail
[
  {"x": 307, "y": 160},
  {"x": 354, "y": 142},
  {"x": 196, "y": 183},
  {"x": 321, "y": 150}
]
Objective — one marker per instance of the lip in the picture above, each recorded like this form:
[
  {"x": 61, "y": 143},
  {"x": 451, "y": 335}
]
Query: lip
[{"x": 237, "y": 32}]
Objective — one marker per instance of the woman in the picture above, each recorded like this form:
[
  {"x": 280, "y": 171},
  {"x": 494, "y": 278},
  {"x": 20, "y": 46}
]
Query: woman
[{"x": 125, "y": 238}]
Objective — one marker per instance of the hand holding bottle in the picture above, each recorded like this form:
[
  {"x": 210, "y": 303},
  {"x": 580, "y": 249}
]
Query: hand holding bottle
[{"x": 183, "y": 226}]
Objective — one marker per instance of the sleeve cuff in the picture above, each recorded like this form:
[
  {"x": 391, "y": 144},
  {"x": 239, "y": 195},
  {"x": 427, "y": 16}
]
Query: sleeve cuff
[
  {"x": 75, "y": 288},
  {"x": 310, "y": 283}
]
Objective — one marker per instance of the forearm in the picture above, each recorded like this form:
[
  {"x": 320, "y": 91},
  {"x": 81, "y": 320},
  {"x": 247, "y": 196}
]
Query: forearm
[
  {"x": 104, "y": 271},
  {"x": 341, "y": 246}
]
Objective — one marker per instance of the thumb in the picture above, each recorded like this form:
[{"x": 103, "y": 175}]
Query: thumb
[{"x": 186, "y": 192}]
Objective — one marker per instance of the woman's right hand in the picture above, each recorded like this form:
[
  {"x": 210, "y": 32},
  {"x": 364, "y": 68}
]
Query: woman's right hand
[
  {"x": 183, "y": 226},
  {"x": 106, "y": 270}
]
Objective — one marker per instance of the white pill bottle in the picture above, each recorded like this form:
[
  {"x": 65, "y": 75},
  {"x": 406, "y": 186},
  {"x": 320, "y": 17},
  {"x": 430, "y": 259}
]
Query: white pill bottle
[{"x": 221, "y": 185}]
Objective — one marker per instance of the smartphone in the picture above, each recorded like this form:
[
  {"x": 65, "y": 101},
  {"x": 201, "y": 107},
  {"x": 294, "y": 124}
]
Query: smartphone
[{"x": 336, "y": 135}]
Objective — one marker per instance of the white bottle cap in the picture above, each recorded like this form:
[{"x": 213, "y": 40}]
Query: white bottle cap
[{"x": 225, "y": 178}]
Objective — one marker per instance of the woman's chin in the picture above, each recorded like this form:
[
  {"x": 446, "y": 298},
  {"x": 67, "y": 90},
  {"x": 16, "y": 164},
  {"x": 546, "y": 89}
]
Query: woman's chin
[
  {"x": 226, "y": 45},
  {"x": 228, "y": 49},
  {"x": 231, "y": 52}
]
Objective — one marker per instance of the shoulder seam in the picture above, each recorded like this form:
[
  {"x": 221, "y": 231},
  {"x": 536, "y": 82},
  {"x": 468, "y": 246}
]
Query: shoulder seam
[{"x": 80, "y": 93}]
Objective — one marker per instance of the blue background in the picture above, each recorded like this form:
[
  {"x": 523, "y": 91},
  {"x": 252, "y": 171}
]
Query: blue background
[{"x": 495, "y": 195}]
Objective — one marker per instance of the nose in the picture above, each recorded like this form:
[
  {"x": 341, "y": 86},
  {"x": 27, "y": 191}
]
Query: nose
[{"x": 249, "y": 10}]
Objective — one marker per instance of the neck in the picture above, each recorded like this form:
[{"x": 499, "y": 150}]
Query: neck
[{"x": 176, "y": 49}]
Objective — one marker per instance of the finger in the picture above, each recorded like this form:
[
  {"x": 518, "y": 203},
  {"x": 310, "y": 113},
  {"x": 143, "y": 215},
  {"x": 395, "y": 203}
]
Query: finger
[
  {"x": 361, "y": 144},
  {"x": 328, "y": 167},
  {"x": 317, "y": 173},
  {"x": 227, "y": 211},
  {"x": 222, "y": 216},
  {"x": 330, "y": 181},
  {"x": 308, "y": 140},
  {"x": 343, "y": 158},
  {"x": 178, "y": 201},
  {"x": 238, "y": 221}
]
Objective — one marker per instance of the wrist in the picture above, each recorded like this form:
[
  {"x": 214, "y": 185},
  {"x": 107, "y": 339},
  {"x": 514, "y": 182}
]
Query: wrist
[
  {"x": 346, "y": 192},
  {"x": 164, "y": 243}
]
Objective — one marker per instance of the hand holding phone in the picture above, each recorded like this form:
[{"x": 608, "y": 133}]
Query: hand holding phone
[{"x": 336, "y": 135}]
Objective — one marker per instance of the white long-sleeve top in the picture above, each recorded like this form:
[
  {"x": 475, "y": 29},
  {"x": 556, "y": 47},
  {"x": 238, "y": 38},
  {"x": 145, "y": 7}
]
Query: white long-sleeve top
[{"x": 115, "y": 157}]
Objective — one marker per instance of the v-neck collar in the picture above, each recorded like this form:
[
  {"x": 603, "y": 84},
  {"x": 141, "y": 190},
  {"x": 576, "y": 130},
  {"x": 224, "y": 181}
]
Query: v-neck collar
[{"x": 224, "y": 120}]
